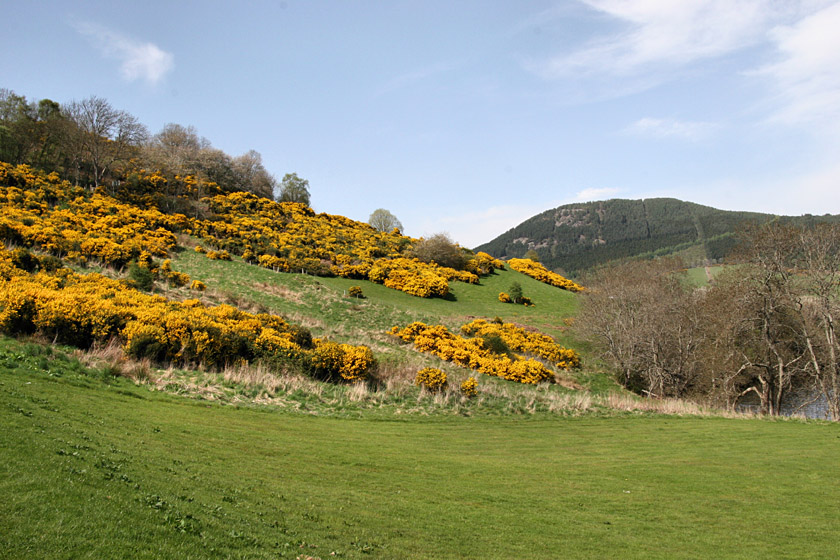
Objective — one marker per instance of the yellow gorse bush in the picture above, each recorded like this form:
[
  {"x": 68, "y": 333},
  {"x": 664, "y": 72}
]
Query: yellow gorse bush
[
  {"x": 520, "y": 340},
  {"x": 539, "y": 272},
  {"x": 469, "y": 387},
  {"x": 41, "y": 211},
  {"x": 472, "y": 353},
  {"x": 431, "y": 379},
  {"x": 82, "y": 309}
]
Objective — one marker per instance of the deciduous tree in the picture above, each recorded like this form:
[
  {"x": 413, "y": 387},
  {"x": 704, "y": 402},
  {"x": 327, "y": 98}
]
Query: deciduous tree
[
  {"x": 383, "y": 220},
  {"x": 294, "y": 189}
]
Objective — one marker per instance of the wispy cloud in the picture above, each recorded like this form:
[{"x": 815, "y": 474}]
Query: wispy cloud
[
  {"x": 138, "y": 60},
  {"x": 587, "y": 195},
  {"x": 806, "y": 76},
  {"x": 671, "y": 129},
  {"x": 417, "y": 75},
  {"x": 666, "y": 33}
]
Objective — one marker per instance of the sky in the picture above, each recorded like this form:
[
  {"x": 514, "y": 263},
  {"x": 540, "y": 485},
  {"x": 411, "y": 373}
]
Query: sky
[{"x": 469, "y": 117}]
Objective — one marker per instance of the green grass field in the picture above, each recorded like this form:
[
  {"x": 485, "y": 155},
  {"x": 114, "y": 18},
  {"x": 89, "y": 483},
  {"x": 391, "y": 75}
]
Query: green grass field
[
  {"x": 323, "y": 300},
  {"x": 96, "y": 467}
]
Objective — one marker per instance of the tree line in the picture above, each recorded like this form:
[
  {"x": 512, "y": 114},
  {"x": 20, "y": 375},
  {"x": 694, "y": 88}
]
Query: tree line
[
  {"x": 765, "y": 325},
  {"x": 91, "y": 143}
]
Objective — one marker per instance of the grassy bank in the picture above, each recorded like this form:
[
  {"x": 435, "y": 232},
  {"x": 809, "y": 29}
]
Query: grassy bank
[{"x": 98, "y": 467}]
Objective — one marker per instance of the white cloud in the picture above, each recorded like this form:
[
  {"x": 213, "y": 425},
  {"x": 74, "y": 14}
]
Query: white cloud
[
  {"x": 667, "y": 33},
  {"x": 138, "y": 61},
  {"x": 474, "y": 228},
  {"x": 590, "y": 194},
  {"x": 670, "y": 129},
  {"x": 807, "y": 74}
]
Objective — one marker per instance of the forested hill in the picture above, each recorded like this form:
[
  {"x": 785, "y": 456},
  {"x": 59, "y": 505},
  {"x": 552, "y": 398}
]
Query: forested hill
[{"x": 578, "y": 236}]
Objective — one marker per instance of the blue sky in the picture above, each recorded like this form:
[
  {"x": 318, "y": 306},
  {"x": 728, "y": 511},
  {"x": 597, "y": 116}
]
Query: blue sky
[{"x": 469, "y": 117}]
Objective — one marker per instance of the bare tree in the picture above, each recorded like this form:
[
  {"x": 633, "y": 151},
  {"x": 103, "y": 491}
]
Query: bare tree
[
  {"x": 646, "y": 321},
  {"x": 250, "y": 175},
  {"x": 102, "y": 136},
  {"x": 771, "y": 337},
  {"x": 819, "y": 252}
]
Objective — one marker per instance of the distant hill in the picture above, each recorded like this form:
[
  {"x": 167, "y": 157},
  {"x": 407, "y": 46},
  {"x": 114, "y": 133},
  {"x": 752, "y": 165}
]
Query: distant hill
[{"x": 578, "y": 236}]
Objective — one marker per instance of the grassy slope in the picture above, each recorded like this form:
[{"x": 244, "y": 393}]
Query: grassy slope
[
  {"x": 383, "y": 306},
  {"x": 93, "y": 469}
]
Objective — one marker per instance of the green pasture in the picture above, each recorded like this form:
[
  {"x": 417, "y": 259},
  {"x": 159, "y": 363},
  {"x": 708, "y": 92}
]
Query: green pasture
[
  {"x": 324, "y": 301},
  {"x": 97, "y": 467}
]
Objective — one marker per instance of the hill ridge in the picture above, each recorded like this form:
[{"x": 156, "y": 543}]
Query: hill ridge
[{"x": 577, "y": 236}]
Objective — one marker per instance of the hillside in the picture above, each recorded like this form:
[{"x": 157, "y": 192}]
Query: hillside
[
  {"x": 578, "y": 236},
  {"x": 87, "y": 269}
]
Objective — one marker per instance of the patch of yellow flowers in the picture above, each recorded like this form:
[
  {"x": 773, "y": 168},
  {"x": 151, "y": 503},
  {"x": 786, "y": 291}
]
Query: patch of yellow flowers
[
  {"x": 472, "y": 353},
  {"x": 431, "y": 379},
  {"x": 83, "y": 309},
  {"x": 520, "y": 340},
  {"x": 539, "y": 272}
]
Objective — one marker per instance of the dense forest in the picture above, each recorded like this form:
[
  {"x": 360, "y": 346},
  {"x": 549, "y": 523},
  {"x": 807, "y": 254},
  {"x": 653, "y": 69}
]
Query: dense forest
[{"x": 579, "y": 236}]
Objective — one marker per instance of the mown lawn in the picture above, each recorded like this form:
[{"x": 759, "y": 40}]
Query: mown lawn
[{"x": 97, "y": 468}]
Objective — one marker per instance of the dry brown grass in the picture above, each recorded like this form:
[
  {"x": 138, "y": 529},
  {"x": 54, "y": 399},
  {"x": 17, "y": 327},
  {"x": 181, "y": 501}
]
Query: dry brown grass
[
  {"x": 280, "y": 291},
  {"x": 629, "y": 403},
  {"x": 109, "y": 358}
]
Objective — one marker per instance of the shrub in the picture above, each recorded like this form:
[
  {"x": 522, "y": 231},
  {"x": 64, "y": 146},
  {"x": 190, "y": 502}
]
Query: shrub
[
  {"x": 218, "y": 255},
  {"x": 515, "y": 291},
  {"x": 198, "y": 286},
  {"x": 504, "y": 298},
  {"x": 469, "y": 388},
  {"x": 495, "y": 343},
  {"x": 351, "y": 363},
  {"x": 441, "y": 250},
  {"x": 356, "y": 292},
  {"x": 141, "y": 277},
  {"x": 539, "y": 272},
  {"x": 520, "y": 340},
  {"x": 431, "y": 379},
  {"x": 24, "y": 260},
  {"x": 472, "y": 353}
]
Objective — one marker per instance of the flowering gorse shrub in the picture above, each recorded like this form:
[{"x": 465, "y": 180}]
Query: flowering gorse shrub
[
  {"x": 521, "y": 340},
  {"x": 83, "y": 309},
  {"x": 40, "y": 211},
  {"x": 472, "y": 353},
  {"x": 198, "y": 286},
  {"x": 218, "y": 255},
  {"x": 504, "y": 298},
  {"x": 469, "y": 387},
  {"x": 484, "y": 264},
  {"x": 43, "y": 212},
  {"x": 431, "y": 379},
  {"x": 539, "y": 272}
]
